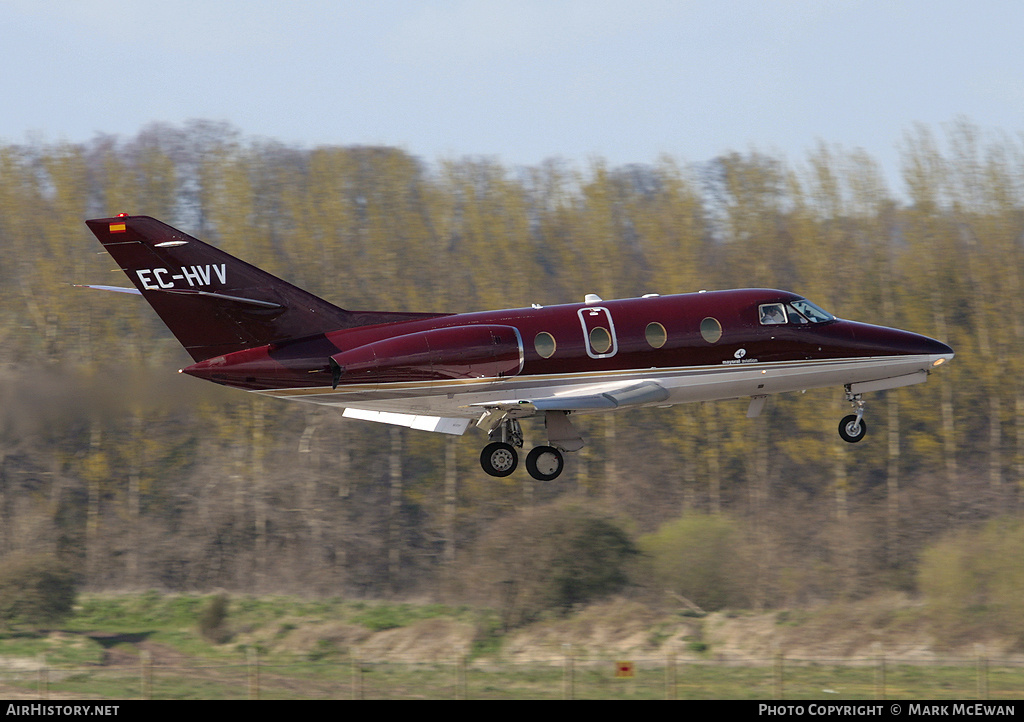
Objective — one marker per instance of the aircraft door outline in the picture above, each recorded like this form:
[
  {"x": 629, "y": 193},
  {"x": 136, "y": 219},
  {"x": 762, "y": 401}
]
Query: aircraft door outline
[{"x": 599, "y": 336}]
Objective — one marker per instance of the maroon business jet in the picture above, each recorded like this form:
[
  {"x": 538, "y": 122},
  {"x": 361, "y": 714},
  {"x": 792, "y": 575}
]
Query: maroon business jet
[{"x": 442, "y": 372}]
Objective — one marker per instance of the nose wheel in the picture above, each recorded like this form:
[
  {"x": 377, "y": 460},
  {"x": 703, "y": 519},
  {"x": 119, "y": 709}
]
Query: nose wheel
[{"x": 852, "y": 428}]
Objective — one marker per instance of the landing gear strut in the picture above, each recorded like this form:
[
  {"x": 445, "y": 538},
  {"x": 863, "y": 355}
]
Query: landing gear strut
[
  {"x": 852, "y": 428},
  {"x": 545, "y": 463},
  {"x": 499, "y": 458}
]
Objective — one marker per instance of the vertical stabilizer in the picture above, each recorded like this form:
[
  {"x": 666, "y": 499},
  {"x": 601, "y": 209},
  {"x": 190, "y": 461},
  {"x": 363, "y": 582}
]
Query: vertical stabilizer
[{"x": 211, "y": 301}]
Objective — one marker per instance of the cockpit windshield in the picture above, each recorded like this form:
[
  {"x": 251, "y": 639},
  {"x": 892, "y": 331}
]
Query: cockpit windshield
[
  {"x": 812, "y": 313},
  {"x": 796, "y": 312}
]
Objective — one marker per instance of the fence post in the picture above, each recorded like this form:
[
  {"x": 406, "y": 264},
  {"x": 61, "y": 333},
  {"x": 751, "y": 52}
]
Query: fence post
[
  {"x": 44, "y": 679},
  {"x": 670, "y": 675},
  {"x": 568, "y": 682},
  {"x": 254, "y": 672},
  {"x": 147, "y": 674},
  {"x": 982, "y": 666},
  {"x": 460, "y": 678},
  {"x": 779, "y": 690},
  {"x": 357, "y": 678},
  {"x": 879, "y": 672}
]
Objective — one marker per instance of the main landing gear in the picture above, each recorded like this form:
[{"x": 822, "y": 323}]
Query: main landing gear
[
  {"x": 852, "y": 428},
  {"x": 499, "y": 459},
  {"x": 544, "y": 463}
]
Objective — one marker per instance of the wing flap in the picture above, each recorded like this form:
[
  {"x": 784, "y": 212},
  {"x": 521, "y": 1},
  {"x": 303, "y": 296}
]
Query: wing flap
[{"x": 440, "y": 424}]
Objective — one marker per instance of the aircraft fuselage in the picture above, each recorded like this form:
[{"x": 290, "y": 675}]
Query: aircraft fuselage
[{"x": 698, "y": 346}]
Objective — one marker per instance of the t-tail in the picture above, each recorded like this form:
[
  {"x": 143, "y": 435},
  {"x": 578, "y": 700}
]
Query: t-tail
[{"x": 212, "y": 302}]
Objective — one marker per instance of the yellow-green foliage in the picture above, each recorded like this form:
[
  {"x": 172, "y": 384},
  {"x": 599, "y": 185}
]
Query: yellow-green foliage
[
  {"x": 973, "y": 581},
  {"x": 701, "y": 558},
  {"x": 163, "y": 481}
]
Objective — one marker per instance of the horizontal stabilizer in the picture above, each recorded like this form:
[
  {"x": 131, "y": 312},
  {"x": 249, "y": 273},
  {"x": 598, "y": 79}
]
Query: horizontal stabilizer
[{"x": 115, "y": 289}]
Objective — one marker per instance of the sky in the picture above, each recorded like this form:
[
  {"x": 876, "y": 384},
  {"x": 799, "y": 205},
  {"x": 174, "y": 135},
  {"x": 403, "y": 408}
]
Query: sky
[{"x": 519, "y": 81}]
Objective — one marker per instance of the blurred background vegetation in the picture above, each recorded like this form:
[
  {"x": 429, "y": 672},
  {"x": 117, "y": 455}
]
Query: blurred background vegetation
[{"x": 137, "y": 478}]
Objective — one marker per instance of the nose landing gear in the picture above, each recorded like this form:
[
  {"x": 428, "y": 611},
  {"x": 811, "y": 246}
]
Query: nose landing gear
[{"x": 853, "y": 428}]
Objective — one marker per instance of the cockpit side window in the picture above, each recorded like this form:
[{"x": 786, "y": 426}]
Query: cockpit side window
[{"x": 771, "y": 314}]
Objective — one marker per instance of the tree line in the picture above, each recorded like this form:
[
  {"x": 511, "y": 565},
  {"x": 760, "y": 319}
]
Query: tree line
[{"x": 145, "y": 479}]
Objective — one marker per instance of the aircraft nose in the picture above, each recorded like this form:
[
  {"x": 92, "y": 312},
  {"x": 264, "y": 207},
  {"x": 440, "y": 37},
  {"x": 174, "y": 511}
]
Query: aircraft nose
[
  {"x": 940, "y": 353},
  {"x": 913, "y": 344},
  {"x": 893, "y": 341}
]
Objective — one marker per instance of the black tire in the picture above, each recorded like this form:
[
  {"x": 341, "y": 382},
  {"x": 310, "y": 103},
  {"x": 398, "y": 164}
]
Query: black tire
[
  {"x": 499, "y": 459},
  {"x": 851, "y": 430},
  {"x": 545, "y": 463}
]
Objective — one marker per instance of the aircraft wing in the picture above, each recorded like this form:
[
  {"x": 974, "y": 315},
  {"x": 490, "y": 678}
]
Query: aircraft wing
[
  {"x": 605, "y": 396},
  {"x": 631, "y": 394},
  {"x": 560, "y": 432}
]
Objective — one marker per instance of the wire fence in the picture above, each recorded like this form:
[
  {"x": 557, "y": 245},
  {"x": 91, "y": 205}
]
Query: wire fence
[{"x": 560, "y": 677}]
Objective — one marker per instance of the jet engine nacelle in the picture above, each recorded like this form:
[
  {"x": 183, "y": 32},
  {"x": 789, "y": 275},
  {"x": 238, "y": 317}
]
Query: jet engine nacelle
[{"x": 457, "y": 352}]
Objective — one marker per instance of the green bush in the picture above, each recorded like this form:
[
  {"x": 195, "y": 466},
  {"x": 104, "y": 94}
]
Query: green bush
[
  {"x": 700, "y": 558},
  {"x": 213, "y": 620},
  {"x": 35, "y": 590},
  {"x": 384, "y": 616},
  {"x": 973, "y": 582},
  {"x": 550, "y": 560}
]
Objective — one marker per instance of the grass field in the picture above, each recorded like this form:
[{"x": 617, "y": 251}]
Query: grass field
[
  {"x": 319, "y": 680},
  {"x": 149, "y": 646}
]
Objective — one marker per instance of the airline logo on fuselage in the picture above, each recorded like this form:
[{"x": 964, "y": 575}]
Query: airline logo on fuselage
[
  {"x": 740, "y": 357},
  {"x": 154, "y": 279}
]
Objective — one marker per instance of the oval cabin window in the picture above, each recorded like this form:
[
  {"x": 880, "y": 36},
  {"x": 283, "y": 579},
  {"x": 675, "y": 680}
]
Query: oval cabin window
[
  {"x": 656, "y": 335},
  {"x": 544, "y": 344},
  {"x": 600, "y": 339},
  {"x": 711, "y": 329}
]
